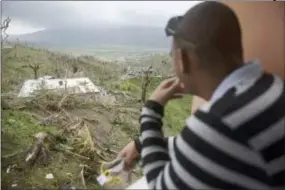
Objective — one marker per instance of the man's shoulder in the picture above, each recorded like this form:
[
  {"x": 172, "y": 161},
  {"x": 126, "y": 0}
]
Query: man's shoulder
[{"x": 248, "y": 100}]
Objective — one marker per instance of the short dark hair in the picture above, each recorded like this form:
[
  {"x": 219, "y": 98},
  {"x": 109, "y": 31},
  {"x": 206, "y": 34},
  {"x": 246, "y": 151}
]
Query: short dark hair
[{"x": 212, "y": 28}]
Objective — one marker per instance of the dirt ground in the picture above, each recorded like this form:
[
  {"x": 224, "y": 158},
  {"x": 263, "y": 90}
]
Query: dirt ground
[{"x": 106, "y": 130}]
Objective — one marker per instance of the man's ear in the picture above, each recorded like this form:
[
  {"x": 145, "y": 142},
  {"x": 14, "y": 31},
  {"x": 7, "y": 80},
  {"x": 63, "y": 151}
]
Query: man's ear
[{"x": 184, "y": 64}]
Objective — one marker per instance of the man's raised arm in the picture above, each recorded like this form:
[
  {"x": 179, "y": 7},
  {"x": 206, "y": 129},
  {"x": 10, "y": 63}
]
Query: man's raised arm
[{"x": 206, "y": 155}]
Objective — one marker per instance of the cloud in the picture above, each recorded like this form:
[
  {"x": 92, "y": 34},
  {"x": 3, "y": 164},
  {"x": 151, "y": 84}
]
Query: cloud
[
  {"x": 42, "y": 14},
  {"x": 55, "y": 14}
]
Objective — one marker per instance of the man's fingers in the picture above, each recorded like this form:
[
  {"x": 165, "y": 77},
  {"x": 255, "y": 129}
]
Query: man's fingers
[
  {"x": 177, "y": 96},
  {"x": 128, "y": 162},
  {"x": 121, "y": 155},
  {"x": 168, "y": 82},
  {"x": 174, "y": 86},
  {"x": 127, "y": 159}
]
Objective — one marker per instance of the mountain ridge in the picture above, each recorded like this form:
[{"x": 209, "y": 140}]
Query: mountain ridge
[{"x": 138, "y": 36}]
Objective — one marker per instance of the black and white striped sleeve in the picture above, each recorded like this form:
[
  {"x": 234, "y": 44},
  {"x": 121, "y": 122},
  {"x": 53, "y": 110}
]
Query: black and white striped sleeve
[
  {"x": 206, "y": 155},
  {"x": 168, "y": 140}
]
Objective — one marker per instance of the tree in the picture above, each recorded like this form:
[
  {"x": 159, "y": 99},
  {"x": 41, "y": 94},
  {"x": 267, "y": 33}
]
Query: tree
[
  {"x": 35, "y": 66},
  {"x": 74, "y": 68},
  {"x": 145, "y": 81},
  {"x": 16, "y": 47},
  {"x": 4, "y": 27}
]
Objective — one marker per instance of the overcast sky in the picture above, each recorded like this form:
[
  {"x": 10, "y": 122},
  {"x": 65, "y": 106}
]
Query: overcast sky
[{"x": 31, "y": 16}]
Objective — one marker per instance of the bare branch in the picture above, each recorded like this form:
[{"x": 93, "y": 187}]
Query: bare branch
[
  {"x": 145, "y": 83},
  {"x": 35, "y": 67},
  {"x": 4, "y": 27}
]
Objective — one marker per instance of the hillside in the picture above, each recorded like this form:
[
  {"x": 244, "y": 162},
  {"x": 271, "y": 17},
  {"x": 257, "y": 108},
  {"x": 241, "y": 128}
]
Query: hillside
[
  {"x": 16, "y": 61},
  {"x": 82, "y": 131}
]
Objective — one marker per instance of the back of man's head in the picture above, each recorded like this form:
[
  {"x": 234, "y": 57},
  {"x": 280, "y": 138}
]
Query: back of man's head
[{"x": 214, "y": 30}]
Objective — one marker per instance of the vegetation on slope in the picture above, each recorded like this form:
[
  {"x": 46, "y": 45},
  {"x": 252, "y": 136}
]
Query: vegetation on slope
[
  {"x": 16, "y": 62},
  {"x": 98, "y": 128}
]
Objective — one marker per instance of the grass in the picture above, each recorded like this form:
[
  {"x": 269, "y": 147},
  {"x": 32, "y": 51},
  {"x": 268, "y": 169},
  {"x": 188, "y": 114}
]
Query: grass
[
  {"x": 133, "y": 86},
  {"x": 176, "y": 111},
  {"x": 64, "y": 170},
  {"x": 19, "y": 127}
]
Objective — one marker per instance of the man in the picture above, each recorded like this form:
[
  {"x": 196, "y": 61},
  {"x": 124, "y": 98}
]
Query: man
[{"x": 236, "y": 140}]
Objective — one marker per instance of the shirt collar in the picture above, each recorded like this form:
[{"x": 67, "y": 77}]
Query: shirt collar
[{"x": 250, "y": 71}]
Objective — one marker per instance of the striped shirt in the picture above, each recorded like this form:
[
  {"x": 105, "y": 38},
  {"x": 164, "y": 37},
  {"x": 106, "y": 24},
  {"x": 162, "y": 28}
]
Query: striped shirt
[{"x": 235, "y": 141}]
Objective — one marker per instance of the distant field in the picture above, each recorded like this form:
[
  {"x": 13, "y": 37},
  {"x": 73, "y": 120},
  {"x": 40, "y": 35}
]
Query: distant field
[{"x": 113, "y": 51}]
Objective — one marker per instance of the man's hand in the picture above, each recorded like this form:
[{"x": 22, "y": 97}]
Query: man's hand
[
  {"x": 130, "y": 153},
  {"x": 167, "y": 90}
]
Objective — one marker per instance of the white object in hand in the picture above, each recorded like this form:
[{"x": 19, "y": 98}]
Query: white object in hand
[
  {"x": 49, "y": 176},
  {"x": 102, "y": 179}
]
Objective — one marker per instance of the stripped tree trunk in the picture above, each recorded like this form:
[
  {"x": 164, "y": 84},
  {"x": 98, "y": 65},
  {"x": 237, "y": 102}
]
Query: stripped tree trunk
[{"x": 145, "y": 81}]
